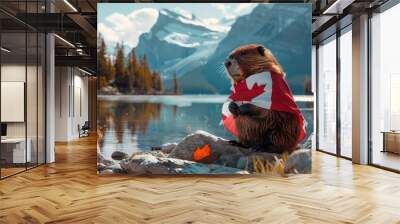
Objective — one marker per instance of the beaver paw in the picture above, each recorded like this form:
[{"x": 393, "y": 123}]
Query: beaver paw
[
  {"x": 265, "y": 148},
  {"x": 246, "y": 109},
  {"x": 237, "y": 144},
  {"x": 234, "y": 108}
]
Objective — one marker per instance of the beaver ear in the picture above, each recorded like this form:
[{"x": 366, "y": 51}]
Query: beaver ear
[{"x": 261, "y": 50}]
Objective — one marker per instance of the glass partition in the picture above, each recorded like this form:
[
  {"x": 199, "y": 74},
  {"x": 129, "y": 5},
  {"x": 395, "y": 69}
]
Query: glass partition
[
  {"x": 13, "y": 94},
  {"x": 31, "y": 97},
  {"x": 385, "y": 89},
  {"x": 327, "y": 95},
  {"x": 346, "y": 93},
  {"x": 22, "y": 77},
  {"x": 41, "y": 96}
]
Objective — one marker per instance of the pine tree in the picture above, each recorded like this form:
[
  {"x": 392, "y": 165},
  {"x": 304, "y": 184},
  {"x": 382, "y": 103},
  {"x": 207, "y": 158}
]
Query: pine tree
[
  {"x": 119, "y": 60},
  {"x": 308, "y": 86},
  {"x": 121, "y": 77},
  {"x": 145, "y": 74},
  {"x": 175, "y": 84},
  {"x": 160, "y": 83},
  {"x": 157, "y": 82},
  {"x": 132, "y": 70},
  {"x": 110, "y": 70},
  {"x": 102, "y": 63}
]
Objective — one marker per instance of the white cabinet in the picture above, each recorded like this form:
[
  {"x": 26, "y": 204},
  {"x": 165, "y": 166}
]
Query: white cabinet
[{"x": 15, "y": 149}]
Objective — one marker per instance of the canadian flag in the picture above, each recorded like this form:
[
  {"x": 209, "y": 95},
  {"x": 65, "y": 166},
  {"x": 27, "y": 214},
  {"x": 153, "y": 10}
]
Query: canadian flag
[{"x": 268, "y": 90}]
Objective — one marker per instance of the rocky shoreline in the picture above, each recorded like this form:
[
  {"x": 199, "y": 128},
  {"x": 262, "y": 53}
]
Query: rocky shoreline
[{"x": 224, "y": 158}]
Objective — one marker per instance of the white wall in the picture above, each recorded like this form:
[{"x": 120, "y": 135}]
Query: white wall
[
  {"x": 33, "y": 126},
  {"x": 11, "y": 73},
  {"x": 71, "y": 94}
]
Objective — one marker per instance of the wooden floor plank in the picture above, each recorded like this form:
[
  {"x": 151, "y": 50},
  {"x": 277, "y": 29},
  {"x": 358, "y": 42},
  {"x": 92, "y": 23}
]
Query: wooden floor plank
[{"x": 70, "y": 191}]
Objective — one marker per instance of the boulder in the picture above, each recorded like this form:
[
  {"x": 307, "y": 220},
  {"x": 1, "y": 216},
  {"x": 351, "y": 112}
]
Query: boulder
[
  {"x": 118, "y": 155},
  {"x": 226, "y": 153},
  {"x": 107, "y": 171},
  {"x": 142, "y": 164},
  {"x": 177, "y": 158},
  {"x": 307, "y": 143},
  {"x": 101, "y": 167},
  {"x": 102, "y": 160},
  {"x": 299, "y": 162}
]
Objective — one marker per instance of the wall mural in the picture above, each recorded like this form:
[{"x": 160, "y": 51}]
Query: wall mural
[{"x": 205, "y": 88}]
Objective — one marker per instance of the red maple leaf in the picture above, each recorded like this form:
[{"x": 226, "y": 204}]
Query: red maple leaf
[{"x": 242, "y": 93}]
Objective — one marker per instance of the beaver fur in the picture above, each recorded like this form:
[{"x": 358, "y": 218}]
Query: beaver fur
[{"x": 260, "y": 128}]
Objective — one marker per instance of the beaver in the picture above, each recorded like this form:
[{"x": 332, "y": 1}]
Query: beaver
[{"x": 259, "y": 128}]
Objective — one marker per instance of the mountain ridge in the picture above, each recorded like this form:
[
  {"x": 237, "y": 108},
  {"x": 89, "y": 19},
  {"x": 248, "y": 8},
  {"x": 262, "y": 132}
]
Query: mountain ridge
[{"x": 180, "y": 44}]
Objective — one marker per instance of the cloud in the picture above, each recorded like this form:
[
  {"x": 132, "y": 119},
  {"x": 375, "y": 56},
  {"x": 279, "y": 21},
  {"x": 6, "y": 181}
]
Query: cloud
[
  {"x": 183, "y": 12},
  {"x": 128, "y": 28},
  {"x": 243, "y": 7},
  {"x": 108, "y": 34},
  {"x": 214, "y": 24},
  {"x": 220, "y": 6},
  {"x": 224, "y": 9},
  {"x": 230, "y": 11}
]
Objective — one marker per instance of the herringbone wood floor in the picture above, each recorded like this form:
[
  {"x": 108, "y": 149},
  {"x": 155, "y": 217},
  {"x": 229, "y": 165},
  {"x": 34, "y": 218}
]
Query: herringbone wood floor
[{"x": 70, "y": 191}]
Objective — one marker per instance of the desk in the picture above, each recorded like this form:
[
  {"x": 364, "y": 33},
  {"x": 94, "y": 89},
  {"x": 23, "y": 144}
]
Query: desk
[
  {"x": 391, "y": 141},
  {"x": 13, "y": 150}
]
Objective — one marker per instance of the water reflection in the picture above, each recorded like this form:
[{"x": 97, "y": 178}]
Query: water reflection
[{"x": 129, "y": 125}]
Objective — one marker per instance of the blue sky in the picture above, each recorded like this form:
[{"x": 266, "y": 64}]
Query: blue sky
[{"x": 126, "y": 21}]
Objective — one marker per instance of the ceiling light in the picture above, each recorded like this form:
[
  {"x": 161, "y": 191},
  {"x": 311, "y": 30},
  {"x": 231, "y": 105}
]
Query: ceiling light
[
  {"x": 337, "y": 7},
  {"x": 328, "y": 10},
  {"x": 84, "y": 71},
  {"x": 70, "y": 5},
  {"x": 5, "y": 50},
  {"x": 64, "y": 40}
]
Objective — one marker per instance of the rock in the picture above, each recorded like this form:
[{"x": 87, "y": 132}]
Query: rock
[
  {"x": 307, "y": 144},
  {"x": 101, "y": 159},
  {"x": 101, "y": 167},
  {"x": 226, "y": 153},
  {"x": 168, "y": 147},
  {"x": 116, "y": 168},
  {"x": 175, "y": 158},
  {"x": 141, "y": 164},
  {"x": 299, "y": 162},
  {"x": 107, "y": 171},
  {"x": 238, "y": 157},
  {"x": 118, "y": 155}
]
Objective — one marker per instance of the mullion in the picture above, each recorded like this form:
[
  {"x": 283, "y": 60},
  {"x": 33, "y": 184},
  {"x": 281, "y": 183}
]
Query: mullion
[
  {"x": 0, "y": 94},
  {"x": 338, "y": 93},
  {"x": 37, "y": 90},
  {"x": 26, "y": 86},
  {"x": 316, "y": 97}
]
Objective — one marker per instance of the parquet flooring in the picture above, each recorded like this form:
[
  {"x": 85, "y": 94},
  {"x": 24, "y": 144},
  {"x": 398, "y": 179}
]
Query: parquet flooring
[{"x": 70, "y": 191}]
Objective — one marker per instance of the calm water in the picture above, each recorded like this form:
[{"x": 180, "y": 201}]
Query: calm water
[{"x": 134, "y": 123}]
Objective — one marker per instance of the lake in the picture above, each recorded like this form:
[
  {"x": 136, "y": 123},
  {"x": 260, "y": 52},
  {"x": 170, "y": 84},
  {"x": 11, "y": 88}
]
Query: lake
[{"x": 131, "y": 123}]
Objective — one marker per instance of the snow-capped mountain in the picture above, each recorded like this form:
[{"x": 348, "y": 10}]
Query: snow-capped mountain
[
  {"x": 281, "y": 28},
  {"x": 196, "y": 51},
  {"x": 178, "y": 43}
]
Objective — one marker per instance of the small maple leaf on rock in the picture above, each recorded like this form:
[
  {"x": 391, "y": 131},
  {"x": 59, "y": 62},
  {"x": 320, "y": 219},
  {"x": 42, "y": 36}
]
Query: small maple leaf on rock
[{"x": 242, "y": 93}]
